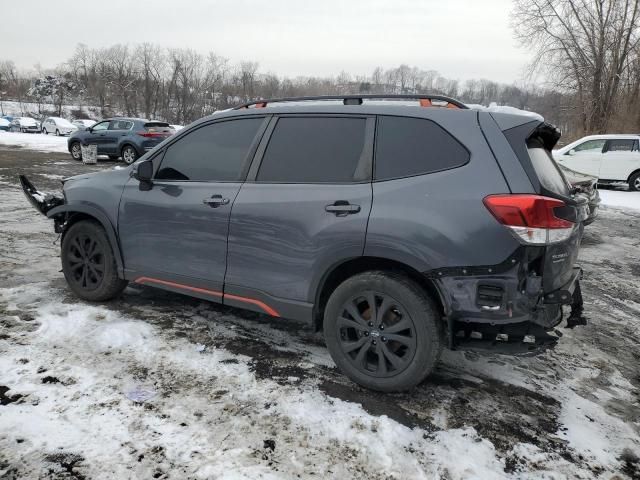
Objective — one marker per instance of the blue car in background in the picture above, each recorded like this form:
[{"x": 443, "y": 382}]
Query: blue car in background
[{"x": 128, "y": 138}]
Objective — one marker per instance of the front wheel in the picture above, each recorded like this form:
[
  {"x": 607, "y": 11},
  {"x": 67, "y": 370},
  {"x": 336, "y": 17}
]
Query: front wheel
[
  {"x": 44, "y": 131},
  {"x": 383, "y": 331},
  {"x": 88, "y": 262},
  {"x": 634, "y": 182},
  {"x": 76, "y": 151},
  {"x": 57, "y": 132},
  {"x": 129, "y": 155}
]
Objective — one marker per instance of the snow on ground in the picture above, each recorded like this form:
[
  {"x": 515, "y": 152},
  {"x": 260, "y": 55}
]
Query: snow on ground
[
  {"x": 34, "y": 141},
  {"x": 155, "y": 384},
  {"x": 620, "y": 198}
]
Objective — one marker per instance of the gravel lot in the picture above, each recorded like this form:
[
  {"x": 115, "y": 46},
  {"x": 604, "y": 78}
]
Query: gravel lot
[{"x": 159, "y": 385}]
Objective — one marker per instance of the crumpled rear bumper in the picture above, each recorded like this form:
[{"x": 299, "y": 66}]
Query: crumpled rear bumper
[{"x": 502, "y": 309}]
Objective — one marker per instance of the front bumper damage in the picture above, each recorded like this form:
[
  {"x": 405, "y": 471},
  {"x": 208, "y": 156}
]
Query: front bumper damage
[
  {"x": 503, "y": 307},
  {"x": 43, "y": 202}
]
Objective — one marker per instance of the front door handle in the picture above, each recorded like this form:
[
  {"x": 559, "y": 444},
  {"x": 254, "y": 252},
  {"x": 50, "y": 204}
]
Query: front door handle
[
  {"x": 342, "y": 208},
  {"x": 215, "y": 201}
]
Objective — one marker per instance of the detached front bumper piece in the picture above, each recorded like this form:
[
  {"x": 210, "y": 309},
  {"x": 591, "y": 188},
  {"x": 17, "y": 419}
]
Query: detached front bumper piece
[{"x": 40, "y": 201}]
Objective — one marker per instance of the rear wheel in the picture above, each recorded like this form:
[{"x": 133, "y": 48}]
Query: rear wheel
[
  {"x": 129, "y": 154},
  {"x": 634, "y": 182},
  {"x": 383, "y": 331},
  {"x": 88, "y": 262},
  {"x": 76, "y": 151}
]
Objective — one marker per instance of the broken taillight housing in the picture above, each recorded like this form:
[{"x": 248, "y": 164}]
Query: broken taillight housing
[{"x": 531, "y": 218}]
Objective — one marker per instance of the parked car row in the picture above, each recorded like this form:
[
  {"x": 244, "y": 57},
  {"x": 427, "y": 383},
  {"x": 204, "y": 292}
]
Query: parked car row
[
  {"x": 128, "y": 138},
  {"x": 51, "y": 125}
]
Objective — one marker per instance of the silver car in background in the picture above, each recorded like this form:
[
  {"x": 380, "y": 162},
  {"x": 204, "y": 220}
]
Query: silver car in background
[{"x": 58, "y": 126}]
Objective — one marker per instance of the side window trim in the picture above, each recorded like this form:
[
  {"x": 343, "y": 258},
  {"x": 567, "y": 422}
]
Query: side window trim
[
  {"x": 365, "y": 164},
  {"x": 246, "y": 161}
]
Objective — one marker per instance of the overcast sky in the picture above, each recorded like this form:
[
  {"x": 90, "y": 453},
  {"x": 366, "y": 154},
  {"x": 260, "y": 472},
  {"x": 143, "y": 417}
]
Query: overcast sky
[{"x": 459, "y": 38}]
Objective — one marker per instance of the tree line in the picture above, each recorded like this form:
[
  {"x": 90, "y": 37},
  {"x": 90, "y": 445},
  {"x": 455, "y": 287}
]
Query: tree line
[{"x": 181, "y": 85}]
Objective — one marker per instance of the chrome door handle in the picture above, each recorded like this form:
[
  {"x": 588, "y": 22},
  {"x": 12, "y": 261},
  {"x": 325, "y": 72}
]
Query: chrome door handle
[
  {"x": 215, "y": 201},
  {"x": 342, "y": 208}
]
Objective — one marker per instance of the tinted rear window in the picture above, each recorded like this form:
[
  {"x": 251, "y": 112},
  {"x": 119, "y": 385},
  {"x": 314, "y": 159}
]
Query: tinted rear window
[
  {"x": 314, "y": 150},
  {"x": 412, "y": 146},
  {"x": 546, "y": 168}
]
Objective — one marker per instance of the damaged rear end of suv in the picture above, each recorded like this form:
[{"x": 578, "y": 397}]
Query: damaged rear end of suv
[{"x": 513, "y": 306}]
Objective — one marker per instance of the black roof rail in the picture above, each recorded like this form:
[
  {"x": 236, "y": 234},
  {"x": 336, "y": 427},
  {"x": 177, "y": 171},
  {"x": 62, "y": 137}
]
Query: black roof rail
[{"x": 426, "y": 100}]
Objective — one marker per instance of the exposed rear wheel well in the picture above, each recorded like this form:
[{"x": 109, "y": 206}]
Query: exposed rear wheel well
[{"x": 363, "y": 264}]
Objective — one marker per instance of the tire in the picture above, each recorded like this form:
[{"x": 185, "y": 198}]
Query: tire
[
  {"x": 57, "y": 132},
  {"x": 44, "y": 131},
  {"x": 85, "y": 252},
  {"x": 76, "y": 151},
  {"x": 357, "y": 345},
  {"x": 634, "y": 182},
  {"x": 129, "y": 154}
]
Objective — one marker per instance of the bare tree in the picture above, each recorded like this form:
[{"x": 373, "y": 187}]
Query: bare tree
[{"x": 583, "y": 46}]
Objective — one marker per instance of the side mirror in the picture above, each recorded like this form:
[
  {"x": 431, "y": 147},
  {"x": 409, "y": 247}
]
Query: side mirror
[
  {"x": 572, "y": 152},
  {"x": 143, "y": 172}
]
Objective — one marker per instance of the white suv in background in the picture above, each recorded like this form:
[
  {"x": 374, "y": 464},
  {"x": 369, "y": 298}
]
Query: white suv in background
[
  {"x": 58, "y": 125},
  {"x": 611, "y": 158}
]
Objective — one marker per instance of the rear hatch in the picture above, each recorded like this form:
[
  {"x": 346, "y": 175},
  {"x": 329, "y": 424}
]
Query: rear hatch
[{"x": 567, "y": 209}]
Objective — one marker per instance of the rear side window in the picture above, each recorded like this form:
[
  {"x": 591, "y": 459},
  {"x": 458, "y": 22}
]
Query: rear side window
[
  {"x": 413, "y": 146},
  {"x": 622, "y": 145},
  {"x": 548, "y": 172},
  {"x": 314, "y": 150},
  {"x": 216, "y": 152}
]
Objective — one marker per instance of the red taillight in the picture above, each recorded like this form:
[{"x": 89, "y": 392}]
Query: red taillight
[
  {"x": 154, "y": 134},
  {"x": 530, "y": 217}
]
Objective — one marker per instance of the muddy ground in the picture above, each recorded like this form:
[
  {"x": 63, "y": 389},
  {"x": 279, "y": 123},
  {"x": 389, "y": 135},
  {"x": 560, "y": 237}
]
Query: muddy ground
[{"x": 573, "y": 412}]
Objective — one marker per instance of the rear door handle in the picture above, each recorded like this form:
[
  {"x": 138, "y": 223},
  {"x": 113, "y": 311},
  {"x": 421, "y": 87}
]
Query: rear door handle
[
  {"x": 215, "y": 201},
  {"x": 342, "y": 208}
]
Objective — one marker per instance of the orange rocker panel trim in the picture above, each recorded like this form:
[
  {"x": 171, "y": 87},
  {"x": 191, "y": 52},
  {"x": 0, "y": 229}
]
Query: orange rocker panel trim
[{"x": 263, "y": 306}]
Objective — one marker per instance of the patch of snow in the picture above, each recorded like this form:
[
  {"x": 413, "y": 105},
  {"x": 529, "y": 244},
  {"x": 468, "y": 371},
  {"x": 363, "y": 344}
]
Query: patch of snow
[
  {"x": 620, "y": 199},
  {"x": 35, "y": 141}
]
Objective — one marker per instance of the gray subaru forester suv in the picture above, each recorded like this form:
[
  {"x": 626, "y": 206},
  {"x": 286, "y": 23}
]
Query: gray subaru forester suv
[{"x": 396, "y": 228}]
